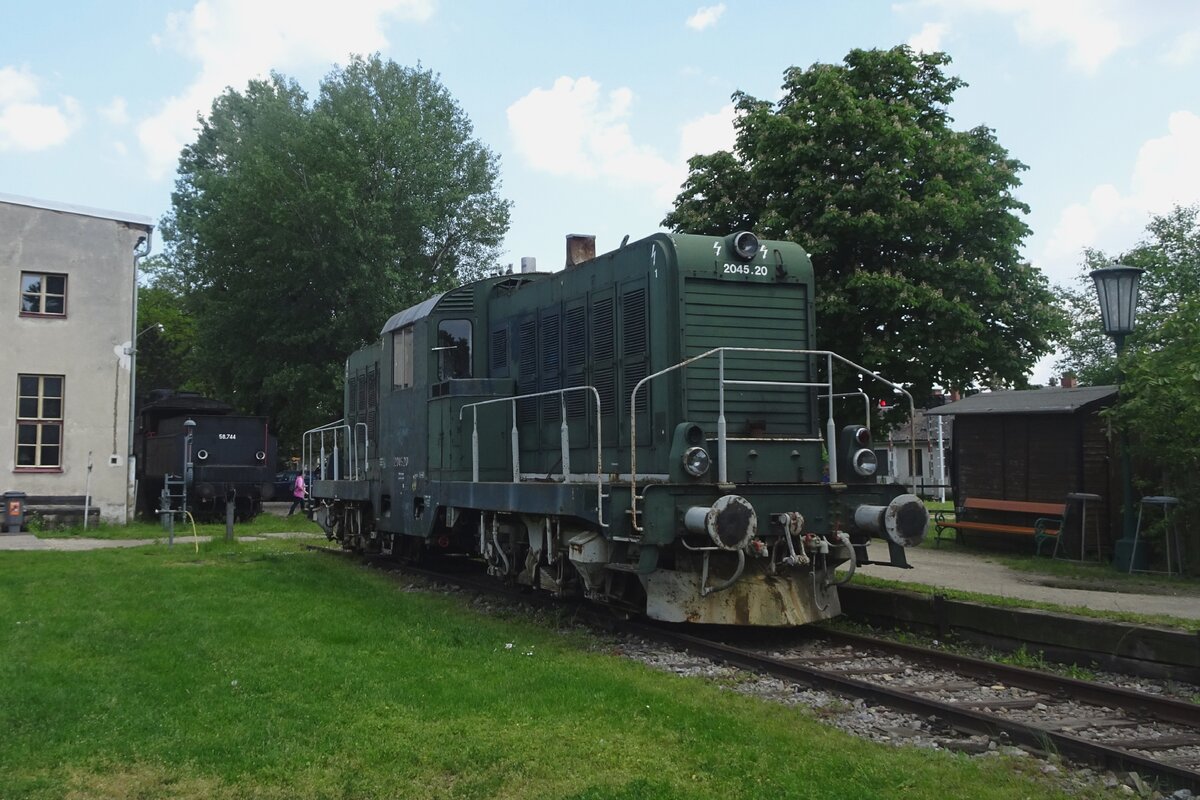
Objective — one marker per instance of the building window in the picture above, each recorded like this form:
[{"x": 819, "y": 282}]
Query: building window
[
  {"x": 43, "y": 294},
  {"x": 916, "y": 462},
  {"x": 39, "y": 422}
]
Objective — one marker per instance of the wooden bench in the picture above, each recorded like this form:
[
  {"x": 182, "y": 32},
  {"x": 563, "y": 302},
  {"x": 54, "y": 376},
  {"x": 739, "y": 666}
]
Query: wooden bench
[{"x": 1044, "y": 529}]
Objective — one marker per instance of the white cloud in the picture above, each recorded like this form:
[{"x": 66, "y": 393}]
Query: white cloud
[
  {"x": 575, "y": 130},
  {"x": 235, "y": 41},
  {"x": 1166, "y": 173},
  {"x": 571, "y": 130},
  {"x": 708, "y": 134},
  {"x": 929, "y": 38},
  {"x": 705, "y": 17},
  {"x": 1184, "y": 49},
  {"x": 1092, "y": 30},
  {"x": 27, "y": 125},
  {"x": 116, "y": 112}
]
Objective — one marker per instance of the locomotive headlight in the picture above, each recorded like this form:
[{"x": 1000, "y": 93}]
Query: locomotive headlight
[
  {"x": 865, "y": 463},
  {"x": 745, "y": 245},
  {"x": 696, "y": 461},
  {"x": 260, "y": 455},
  {"x": 202, "y": 454}
]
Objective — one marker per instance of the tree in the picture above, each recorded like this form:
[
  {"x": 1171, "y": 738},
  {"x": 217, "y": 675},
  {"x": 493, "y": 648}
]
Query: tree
[
  {"x": 1169, "y": 252},
  {"x": 298, "y": 228},
  {"x": 1160, "y": 392},
  {"x": 913, "y": 227},
  {"x": 167, "y": 340}
]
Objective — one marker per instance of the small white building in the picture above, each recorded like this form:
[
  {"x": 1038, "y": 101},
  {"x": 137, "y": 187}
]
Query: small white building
[
  {"x": 68, "y": 279},
  {"x": 922, "y": 462}
]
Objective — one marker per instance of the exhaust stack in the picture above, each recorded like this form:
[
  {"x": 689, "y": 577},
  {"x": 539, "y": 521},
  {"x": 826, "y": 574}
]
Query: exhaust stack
[{"x": 581, "y": 247}]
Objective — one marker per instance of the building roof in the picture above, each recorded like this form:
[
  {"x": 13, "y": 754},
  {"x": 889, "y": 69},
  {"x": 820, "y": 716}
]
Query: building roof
[
  {"x": 67, "y": 208},
  {"x": 1032, "y": 401}
]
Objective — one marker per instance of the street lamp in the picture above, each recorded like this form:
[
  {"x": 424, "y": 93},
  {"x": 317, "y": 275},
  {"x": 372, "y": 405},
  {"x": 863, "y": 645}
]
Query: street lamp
[{"x": 1117, "y": 288}]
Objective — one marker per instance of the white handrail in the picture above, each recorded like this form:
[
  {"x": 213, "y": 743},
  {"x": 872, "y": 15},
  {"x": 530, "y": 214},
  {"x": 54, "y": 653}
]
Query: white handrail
[
  {"x": 334, "y": 428},
  {"x": 564, "y": 438},
  {"x": 722, "y": 473}
]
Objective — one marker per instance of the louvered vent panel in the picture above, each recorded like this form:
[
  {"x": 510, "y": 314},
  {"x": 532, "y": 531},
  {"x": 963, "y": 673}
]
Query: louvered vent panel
[
  {"x": 498, "y": 352},
  {"x": 606, "y": 387},
  {"x": 577, "y": 402},
  {"x": 551, "y": 379},
  {"x": 576, "y": 343},
  {"x": 633, "y": 320},
  {"x": 722, "y": 314},
  {"x": 603, "y": 345},
  {"x": 461, "y": 300},
  {"x": 527, "y": 374}
]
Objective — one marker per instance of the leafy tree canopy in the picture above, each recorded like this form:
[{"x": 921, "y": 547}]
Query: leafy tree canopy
[
  {"x": 167, "y": 339},
  {"x": 1160, "y": 393},
  {"x": 297, "y": 228},
  {"x": 1169, "y": 251},
  {"x": 913, "y": 227}
]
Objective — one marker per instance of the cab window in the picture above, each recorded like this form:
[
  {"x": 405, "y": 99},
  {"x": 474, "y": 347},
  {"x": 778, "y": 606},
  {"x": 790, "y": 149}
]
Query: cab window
[
  {"x": 454, "y": 349},
  {"x": 402, "y": 358}
]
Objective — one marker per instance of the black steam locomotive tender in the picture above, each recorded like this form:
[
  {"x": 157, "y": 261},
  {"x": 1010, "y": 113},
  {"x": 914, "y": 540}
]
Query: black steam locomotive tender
[{"x": 224, "y": 457}]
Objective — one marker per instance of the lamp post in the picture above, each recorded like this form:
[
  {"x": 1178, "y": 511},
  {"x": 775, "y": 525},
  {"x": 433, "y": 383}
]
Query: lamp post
[
  {"x": 1117, "y": 289},
  {"x": 190, "y": 426}
]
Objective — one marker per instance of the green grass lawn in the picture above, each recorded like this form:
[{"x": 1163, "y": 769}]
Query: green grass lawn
[
  {"x": 140, "y": 529},
  {"x": 263, "y": 670}
]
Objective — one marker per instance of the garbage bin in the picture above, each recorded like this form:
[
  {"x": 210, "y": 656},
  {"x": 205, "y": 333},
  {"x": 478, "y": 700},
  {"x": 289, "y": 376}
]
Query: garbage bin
[{"x": 14, "y": 511}]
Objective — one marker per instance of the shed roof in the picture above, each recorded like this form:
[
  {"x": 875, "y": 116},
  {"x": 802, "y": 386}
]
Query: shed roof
[
  {"x": 68, "y": 208},
  {"x": 1032, "y": 401}
]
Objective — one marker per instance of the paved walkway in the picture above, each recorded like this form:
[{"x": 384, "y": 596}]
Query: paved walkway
[
  {"x": 976, "y": 572},
  {"x": 27, "y": 541}
]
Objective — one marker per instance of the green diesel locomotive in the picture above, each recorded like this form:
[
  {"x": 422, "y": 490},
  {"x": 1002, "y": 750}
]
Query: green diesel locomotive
[{"x": 651, "y": 428}]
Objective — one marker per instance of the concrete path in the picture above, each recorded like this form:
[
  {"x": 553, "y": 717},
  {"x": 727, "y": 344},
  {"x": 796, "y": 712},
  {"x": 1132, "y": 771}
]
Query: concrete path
[
  {"x": 976, "y": 572},
  {"x": 26, "y": 541}
]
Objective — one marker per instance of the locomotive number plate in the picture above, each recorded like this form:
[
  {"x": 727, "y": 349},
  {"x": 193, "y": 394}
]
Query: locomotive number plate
[{"x": 754, "y": 270}]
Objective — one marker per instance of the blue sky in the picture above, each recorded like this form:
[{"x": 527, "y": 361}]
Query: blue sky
[{"x": 593, "y": 108}]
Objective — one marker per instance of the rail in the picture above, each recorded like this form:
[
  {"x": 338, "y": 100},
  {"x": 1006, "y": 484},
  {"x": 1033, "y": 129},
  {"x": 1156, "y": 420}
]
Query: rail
[
  {"x": 722, "y": 382},
  {"x": 564, "y": 439},
  {"x": 335, "y": 430},
  {"x": 866, "y": 403}
]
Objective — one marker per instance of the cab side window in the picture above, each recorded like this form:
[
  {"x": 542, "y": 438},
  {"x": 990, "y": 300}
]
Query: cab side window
[
  {"x": 402, "y": 358},
  {"x": 454, "y": 349}
]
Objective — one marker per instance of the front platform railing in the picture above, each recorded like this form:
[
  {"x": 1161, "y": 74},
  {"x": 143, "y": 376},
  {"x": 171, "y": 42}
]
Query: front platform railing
[{"x": 828, "y": 356}]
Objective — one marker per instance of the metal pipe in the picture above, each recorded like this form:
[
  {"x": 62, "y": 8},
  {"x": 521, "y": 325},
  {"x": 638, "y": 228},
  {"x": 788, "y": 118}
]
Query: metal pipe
[
  {"x": 131, "y": 486},
  {"x": 844, "y": 538},
  {"x": 515, "y": 444},
  {"x": 706, "y": 590},
  {"x": 564, "y": 439},
  {"x": 722, "y": 461}
]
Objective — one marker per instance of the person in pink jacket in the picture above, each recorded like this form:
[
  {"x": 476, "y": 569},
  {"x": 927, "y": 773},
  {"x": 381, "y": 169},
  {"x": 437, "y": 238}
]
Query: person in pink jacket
[{"x": 297, "y": 493}]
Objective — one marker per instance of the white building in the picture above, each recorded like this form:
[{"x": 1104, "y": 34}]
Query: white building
[
  {"x": 922, "y": 463},
  {"x": 67, "y": 313}
]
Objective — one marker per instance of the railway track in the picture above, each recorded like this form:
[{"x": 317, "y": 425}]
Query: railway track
[
  {"x": 1117, "y": 728},
  {"x": 1120, "y": 729}
]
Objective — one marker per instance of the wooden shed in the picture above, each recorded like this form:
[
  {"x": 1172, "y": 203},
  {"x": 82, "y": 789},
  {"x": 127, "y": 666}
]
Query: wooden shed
[{"x": 1038, "y": 446}]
